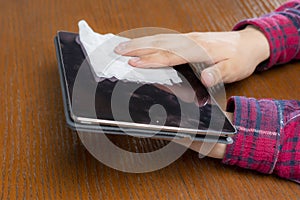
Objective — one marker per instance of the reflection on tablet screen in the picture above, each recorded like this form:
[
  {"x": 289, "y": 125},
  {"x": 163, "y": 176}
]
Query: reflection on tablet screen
[{"x": 184, "y": 105}]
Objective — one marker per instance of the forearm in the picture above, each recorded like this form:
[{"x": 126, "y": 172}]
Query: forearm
[
  {"x": 268, "y": 130},
  {"x": 268, "y": 136},
  {"x": 282, "y": 30}
]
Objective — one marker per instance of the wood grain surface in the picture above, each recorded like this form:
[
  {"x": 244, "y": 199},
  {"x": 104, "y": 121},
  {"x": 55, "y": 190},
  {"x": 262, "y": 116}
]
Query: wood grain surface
[{"x": 41, "y": 158}]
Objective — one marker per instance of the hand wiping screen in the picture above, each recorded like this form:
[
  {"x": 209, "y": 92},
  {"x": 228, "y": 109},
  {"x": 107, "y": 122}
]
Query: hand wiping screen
[{"x": 106, "y": 64}]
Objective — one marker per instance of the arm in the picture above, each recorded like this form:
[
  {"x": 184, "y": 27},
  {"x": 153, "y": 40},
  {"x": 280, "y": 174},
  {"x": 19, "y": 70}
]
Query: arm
[
  {"x": 268, "y": 138},
  {"x": 233, "y": 56},
  {"x": 281, "y": 29}
]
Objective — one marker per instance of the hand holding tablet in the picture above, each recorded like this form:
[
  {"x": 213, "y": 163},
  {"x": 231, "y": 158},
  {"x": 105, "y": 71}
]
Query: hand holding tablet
[{"x": 189, "y": 109}]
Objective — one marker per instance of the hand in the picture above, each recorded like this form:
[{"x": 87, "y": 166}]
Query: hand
[
  {"x": 218, "y": 150},
  {"x": 232, "y": 56}
]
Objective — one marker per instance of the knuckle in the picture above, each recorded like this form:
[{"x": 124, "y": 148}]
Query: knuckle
[
  {"x": 167, "y": 58},
  {"x": 157, "y": 44}
]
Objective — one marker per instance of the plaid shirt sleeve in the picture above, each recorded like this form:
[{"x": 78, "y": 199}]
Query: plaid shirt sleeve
[
  {"x": 268, "y": 138},
  {"x": 281, "y": 28}
]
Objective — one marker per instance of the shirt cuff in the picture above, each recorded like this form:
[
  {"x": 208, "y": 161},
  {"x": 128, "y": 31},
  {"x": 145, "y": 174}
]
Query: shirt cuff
[
  {"x": 256, "y": 145},
  {"x": 282, "y": 35}
]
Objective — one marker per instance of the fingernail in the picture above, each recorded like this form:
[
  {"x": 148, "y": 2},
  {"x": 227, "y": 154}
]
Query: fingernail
[
  {"x": 208, "y": 79},
  {"x": 135, "y": 59},
  {"x": 121, "y": 47}
]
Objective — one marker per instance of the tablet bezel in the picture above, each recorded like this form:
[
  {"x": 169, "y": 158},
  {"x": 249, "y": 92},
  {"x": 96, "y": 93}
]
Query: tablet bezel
[{"x": 130, "y": 125}]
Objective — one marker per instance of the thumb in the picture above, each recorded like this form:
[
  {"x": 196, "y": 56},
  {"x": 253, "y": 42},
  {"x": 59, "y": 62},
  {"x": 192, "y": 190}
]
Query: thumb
[{"x": 215, "y": 74}]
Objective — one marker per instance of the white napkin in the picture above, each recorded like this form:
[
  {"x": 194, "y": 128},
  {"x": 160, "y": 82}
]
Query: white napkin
[{"x": 107, "y": 64}]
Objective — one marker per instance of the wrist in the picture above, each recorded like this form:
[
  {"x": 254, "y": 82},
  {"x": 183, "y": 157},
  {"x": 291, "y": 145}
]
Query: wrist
[{"x": 256, "y": 42}]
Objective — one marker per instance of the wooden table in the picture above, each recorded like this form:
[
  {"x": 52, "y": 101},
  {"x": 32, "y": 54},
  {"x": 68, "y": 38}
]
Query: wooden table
[{"x": 41, "y": 158}]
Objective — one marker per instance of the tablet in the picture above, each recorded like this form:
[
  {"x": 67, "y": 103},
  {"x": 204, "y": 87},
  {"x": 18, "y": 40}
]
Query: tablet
[{"x": 118, "y": 107}]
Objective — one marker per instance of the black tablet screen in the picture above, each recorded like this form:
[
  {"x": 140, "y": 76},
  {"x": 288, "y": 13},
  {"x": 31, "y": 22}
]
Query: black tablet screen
[{"x": 144, "y": 104}]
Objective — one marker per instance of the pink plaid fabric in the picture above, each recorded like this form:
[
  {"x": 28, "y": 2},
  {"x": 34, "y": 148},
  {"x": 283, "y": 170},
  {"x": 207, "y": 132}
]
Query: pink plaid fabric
[{"x": 268, "y": 138}]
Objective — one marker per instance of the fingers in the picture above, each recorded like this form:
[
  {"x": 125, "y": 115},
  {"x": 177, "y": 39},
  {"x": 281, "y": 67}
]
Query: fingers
[
  {"x": 222, "y": 72},
  {"x": 149, "y": 52},
  {"x": 228, "y": 51},
  {"x": 195, "y": 146},
  {"x": 158, "y": 59},
  {"x": 162, "y": 50},
  {"x": 134, "y": 49},
  {"x": 216, "y": 150},
  {"x": 227, "y": 71},
  {"x": 212, "y": 75},
  {"x": 142, "y": 46}
]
